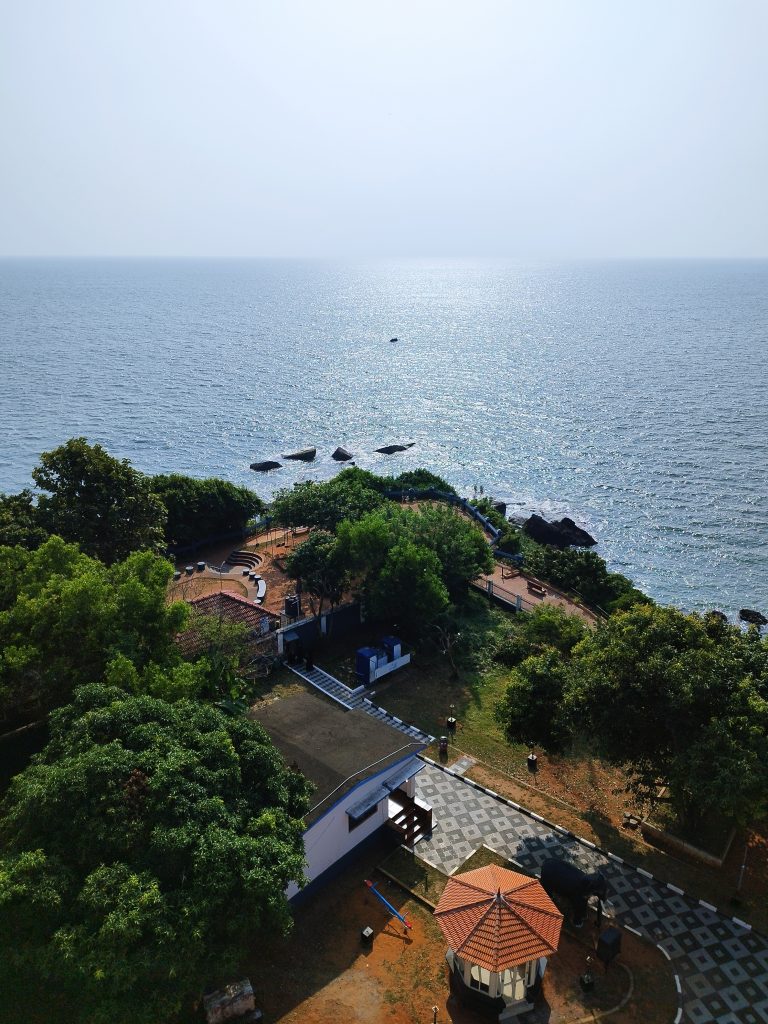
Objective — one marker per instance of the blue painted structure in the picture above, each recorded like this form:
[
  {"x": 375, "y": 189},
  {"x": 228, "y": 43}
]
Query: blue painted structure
[{"x": 371, "y": 663}]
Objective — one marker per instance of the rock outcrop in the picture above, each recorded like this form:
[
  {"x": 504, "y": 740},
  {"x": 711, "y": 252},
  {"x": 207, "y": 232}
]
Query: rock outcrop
[
  {"x": 264, "y": 467},
  {"x": 752, "y": 617},
  {"x": 390, "y": 449},
  {"x": 342, "y": 454},
  {"x": 302, "y": 455},
  {"x": 561, "y": 534}
]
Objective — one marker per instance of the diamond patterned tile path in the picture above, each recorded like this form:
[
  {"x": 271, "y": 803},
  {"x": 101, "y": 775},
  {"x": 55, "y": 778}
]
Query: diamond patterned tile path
[{"x": 722, "y": 967}]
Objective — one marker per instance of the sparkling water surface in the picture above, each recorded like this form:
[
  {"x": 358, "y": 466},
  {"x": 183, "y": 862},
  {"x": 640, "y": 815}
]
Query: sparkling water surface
[{"x": 629, "y": 395}]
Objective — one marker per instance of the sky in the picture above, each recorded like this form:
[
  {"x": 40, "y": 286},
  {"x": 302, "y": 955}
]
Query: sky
[{"x": 347, "y": 128}]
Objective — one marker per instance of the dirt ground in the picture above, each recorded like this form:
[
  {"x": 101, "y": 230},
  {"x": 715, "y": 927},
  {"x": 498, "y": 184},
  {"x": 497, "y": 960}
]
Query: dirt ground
[
  {"x": 271, "y": 547},
  {"x": 324, "y": 975}
]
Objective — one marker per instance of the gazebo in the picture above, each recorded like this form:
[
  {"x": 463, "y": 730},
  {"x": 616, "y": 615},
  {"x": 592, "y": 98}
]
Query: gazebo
[{"x": 501, "y": 927}]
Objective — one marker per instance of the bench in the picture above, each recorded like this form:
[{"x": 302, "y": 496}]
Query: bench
[
  {"x": 261, "y": 590},
  {"x": 536, "y": 589}
]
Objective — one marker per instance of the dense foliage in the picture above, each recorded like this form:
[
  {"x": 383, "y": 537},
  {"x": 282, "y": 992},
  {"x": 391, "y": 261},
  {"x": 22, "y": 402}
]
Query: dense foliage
[
  {"x": 144, "y": 852},
  {"x": 347, "y": 497},
  {"x": 98, "y": 502},
  {"x": 65, "y": 616},
  {"x": 319, "y": 565},
  {"x": 417, "y": 479},
  {"x": 199, "y": 509},
  {"x": 412, "y": 562},
  {"x": 676, "y": 700},
  {"x": 20, "y": 521}
]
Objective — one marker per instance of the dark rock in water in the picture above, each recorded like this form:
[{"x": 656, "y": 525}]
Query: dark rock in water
[
  {"x": 499, "y": 506},
  {"x": 715, "y": 614},
  {"x": 390, "y": 449},
  {"x": 342, "y": 454},
  {"x": 753, "y": 617},
  {"x": 302, "y": 455},
  {"x": 392, "y": 339},
  {"x": 264, "y": 467},
  {"x": 562, "y": 534}
]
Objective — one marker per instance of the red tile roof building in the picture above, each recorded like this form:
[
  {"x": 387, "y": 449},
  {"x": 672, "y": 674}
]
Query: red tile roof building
[
  {"x": 497, "y": 918},
  {"x": 231, "y": 608}
]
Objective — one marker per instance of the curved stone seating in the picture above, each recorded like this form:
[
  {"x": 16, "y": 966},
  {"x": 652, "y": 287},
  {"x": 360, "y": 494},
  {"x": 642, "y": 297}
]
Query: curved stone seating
[{"x": 244, "y": 557}]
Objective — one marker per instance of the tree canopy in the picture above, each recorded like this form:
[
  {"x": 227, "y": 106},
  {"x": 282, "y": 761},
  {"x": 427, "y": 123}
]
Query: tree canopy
[
  {"x": 319, "y": 564},
  {"x": 20, "y": 521},
  {"x": 676, "y": 700},
  {"x": 585, "y": 572},
  {"x": 198, "y": 509},
  {"x": 98, "y": 502},
  {"x": 408, "y": 588},
  {"x": 144, "y": 851},
  {"x": 345, "y": 498},
  {"x": 64, "y": 616},
  {"x": 431, "y": 549}
]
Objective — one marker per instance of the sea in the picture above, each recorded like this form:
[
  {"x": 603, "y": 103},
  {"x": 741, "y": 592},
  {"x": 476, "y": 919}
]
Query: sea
[{"x": 631, "y": 396}]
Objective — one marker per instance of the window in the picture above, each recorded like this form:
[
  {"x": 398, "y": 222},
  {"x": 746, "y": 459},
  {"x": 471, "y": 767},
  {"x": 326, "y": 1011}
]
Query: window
[
  {"x": 364, "y": 816},
  {"x": 479, "y": 979}
]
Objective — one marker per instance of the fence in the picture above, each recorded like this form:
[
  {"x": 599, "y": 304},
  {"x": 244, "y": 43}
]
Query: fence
[{"x": 506, "y": 597}]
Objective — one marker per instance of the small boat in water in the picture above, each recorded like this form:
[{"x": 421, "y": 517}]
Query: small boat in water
[
  {"x": 302, "y": 455},
  {"x": 393, "y": 339}
]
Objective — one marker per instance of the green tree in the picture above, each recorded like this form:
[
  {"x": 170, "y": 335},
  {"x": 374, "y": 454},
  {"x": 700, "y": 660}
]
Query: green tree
[
  {"x": 547, "y": 627},
  {"x": 65, "y": 616},
  {"x": 144, "y": 852},
  {"x": 347, "y": 497},
  {"x": 97, "y": 501},
  {"x": 20, "y": 521},
  {"x": 420, "y": 479},
  {"x": 585, "y": 572},
  {"x": 408, "y": 589},
  {"x": 674, "y": 699},
  {"x": 203, "y": 508},
  {"x": 460, "y": 546},
  {"x": 533, "y": 709},
  {"x": 320, "y": 566}
]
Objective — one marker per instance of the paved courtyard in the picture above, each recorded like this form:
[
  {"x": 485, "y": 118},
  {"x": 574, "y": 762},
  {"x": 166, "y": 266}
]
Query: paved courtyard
[{"x": 721, "y": 966}]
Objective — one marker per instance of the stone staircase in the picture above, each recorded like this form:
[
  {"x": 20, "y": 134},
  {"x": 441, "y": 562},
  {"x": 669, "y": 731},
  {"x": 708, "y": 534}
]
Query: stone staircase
[
  {"x": 384, "y": 716},
  {"x": 330, "y": 686},
  {"x": 353, "y": 699}
]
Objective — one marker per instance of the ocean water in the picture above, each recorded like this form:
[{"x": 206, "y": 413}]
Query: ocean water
[{"x": 629, "y": 395}]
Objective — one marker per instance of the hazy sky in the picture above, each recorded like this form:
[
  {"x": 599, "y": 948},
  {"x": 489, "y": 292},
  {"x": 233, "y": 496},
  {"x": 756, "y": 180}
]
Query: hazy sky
[{"x": 348, "y": 127}]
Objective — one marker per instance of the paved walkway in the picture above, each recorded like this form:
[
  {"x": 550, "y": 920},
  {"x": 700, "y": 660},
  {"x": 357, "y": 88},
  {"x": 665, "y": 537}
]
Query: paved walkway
[
  {"x": 507, "y": 585},
  {"x": 721, "y": 966}
]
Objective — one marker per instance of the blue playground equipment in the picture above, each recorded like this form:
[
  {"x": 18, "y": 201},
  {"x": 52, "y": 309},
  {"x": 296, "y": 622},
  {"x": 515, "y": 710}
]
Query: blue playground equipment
[{"x": 386, "y": 903}]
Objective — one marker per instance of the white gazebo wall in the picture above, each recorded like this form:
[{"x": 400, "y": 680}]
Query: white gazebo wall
[{"x": 511, "y": 984}]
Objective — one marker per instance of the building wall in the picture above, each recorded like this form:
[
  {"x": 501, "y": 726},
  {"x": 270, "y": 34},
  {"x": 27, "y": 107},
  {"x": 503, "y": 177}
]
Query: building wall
[{"x": 329, "y": 838}]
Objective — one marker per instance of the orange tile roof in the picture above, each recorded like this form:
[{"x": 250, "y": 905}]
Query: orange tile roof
[
  {"x": 232, "y": 608},
  {"x": 497, "y": 918}
]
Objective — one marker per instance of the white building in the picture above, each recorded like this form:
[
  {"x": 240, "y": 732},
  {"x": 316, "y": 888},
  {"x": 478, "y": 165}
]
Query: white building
[{"x": 364, "y": 772}]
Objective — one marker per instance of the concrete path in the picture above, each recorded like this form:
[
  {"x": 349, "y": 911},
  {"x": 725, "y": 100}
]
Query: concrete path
[{"x": 720, "y": 965}]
